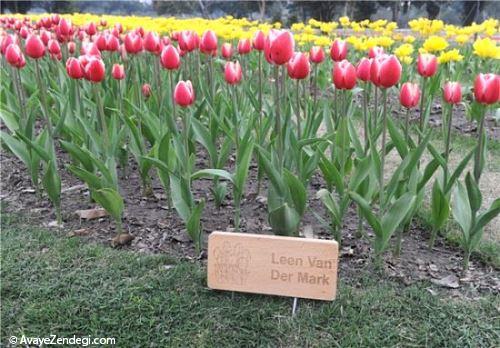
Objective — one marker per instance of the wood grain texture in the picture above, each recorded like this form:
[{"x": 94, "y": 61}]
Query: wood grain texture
[{"x": 273, "y": 265}]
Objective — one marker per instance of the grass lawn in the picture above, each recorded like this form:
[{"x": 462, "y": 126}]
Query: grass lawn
[{"x": 51, "y": 284}]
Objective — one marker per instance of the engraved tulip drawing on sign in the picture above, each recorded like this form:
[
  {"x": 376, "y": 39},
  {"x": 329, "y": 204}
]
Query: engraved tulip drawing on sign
[{"x": 231, "y": 263}]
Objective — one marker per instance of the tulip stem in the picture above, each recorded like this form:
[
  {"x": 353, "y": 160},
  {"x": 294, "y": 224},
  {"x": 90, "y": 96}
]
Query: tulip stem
[
  {"x": 382, "y": 160},
  {"x": 479, "y": 149},
  {"x": 236, "y": 124},
  {"x": 259, "y": 130},
  {"x": 422, "y": 112},
  {"x": 278, "y": 117},
  {"x": 298, "y": 109},
  {"x": 365, "y": 115},
  {"x": 16, "y": 79},
  {"x": 159, "y": 91},
  {"x": 448, "y": 142},
  {"x": 407, "y": 126},
  {"x": 375, "y": 113},
  {"x": 173, "y": 118},
  {"x": 44, "y": 102},
  {"x": 102, "y": 117}
]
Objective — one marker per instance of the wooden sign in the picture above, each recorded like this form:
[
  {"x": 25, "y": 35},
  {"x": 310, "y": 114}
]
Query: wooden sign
[{"x": 273, "y": 265}]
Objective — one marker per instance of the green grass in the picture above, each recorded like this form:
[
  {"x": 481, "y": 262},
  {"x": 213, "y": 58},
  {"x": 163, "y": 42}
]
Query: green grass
[{"x": 51, "y": 284}]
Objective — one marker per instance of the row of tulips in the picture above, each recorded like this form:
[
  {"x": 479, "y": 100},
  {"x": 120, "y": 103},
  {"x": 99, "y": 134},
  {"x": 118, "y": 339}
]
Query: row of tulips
[{"x": 247, "y": 108}]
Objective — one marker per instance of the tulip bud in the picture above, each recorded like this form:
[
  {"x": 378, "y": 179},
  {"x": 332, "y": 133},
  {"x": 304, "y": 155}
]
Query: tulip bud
[
  {"x": 188, "y": 40},
  {"x": 385, "y": 71},
  {"x": 232, "y": 72},
  {"x": 45, "y": 37},
  {"x": 452, "y": 92},
  {"x": 375, "y": 51},
  {"x": 91, "y": 29},
  {"x": 34, "y": 47},
  {"x": 244, "y": 46},
  {"x": 338, "y": 51},
  {"x": 13, "y": 55},
  {"x": 146, "y": 90},
  {"x": 133, "y": 43},
  {"x": 363, "y": 69},
  {"x": 226, "y": 50},
  {"x": 184, "y": 93},
  {"x": 23, "y": 32},
  {"x": 316, "y": 54},
  {"x": 71, "y": 47},
  {"x": 112, "y": 43},
  {"x": 344, "y": 75},
  {"x": 427, "y": 64},
  {"x": 95, "y": 69},
  {"x": 298, "y": 67},
  {"x": 208, "y": 42},
  {"x": 6, "y": 41},
  {"x": 65, "y": 27},
  {"x": 53, "y": 47},
  {"x": 487, "y": 89},
  {"x": 169, "y": 58},
  {"x": 409, "y": 95},
  {"x": 152, "y": 42},
  {"x": 118, "y": 72},
  {"x": 259, "y": 40},
  {"x": 279, "y": 47},
  {"x": 74, "y": 68}
]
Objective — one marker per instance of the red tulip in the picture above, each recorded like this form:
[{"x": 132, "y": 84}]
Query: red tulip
[
  {"x": 45, "y": 36},
  {"x": 427, "y": 64},
  {"x": 409, "y": 95},
  {"x": 375, "y": 51},
  {"x": 100, "y": 41},
  {"x": 55, "y": 19},
  {"x": 90, "y": 49},
  {"x": 344, "y": 75},
  {"x": 166, "y": 40},
  {"x": 14, "y": 55},
  {"x": 259, "y": 40},
  {"x": 170, "y": 58},
  {"x": 226, "y": 50},
  {"x": 244, "y": 46},
  {"x": 146, "y": 90},
  {"x": 71, "y": 47},
  {"x": 385, "y": 71},
  {"x": 188, "y": 40},
  {"x": 23, "y": 32},
  {"x": 34, "y": 47},
  {"x": 91, "y": 29},
  {"x": 363, "y": 69},
  {"x": 65, "y": 27},
  {"x": 184, "y": 93},
  {"x": 112, "y": 43},
  {"x": 487, "y": 88},
  {"x": 208, "y": 43},
  {"x": 6, "y": 41},
  {"x": 95, "y": 69},
  {"x": 452, "y": 92},
  {"x": 152, "y": 42},
  {"x": 103, "y": 23},
  {"x": 133, "y": 43},
  {"x": 316, "y": 54},
  {"x": 232, "y": 72},
  {"x": 279, "y": 47},
  {"x": 53, "y": 47},
  {"x": 338, "y": 51},
  {"x": 298, "y": 67},
  {"x": 119, "y": 27},
  {"x": 118, "y": 72},
  {"x": 74, "y": 68}
]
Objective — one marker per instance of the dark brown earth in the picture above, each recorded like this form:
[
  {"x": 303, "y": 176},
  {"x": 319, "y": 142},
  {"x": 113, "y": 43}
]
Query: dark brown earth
[{"x": 159, "y": 230}]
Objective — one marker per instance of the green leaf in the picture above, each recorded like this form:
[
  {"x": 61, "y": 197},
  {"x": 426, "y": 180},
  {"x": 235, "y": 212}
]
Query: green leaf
[
  {"x": 488, "y": 215},
  {"x": 17, "y": 147},
  {"x": 461, "y": 209},
  {"x": 92, "y": 180},
  {"x": 204, "y": 138},
  {"x": 475, "y": 198},
  {"x": 284, "y": 220},
  {"x": 182, "y": 198},
  {"x": 78, "y": 155},
  {"x": 52, "y": 184},
  {"x": 458, "y": 171},
  {"x": 193, "y": 225},
  {"x": 297, "y": 192},
  {"x": 367, "y": 213},
  {"x": 110, "y": 200},
  {"x": 212, "y": 172},
  {"x": 395, "y": 216},
  {"x": 397, "y": 138},
  {"x": 440, "y": 206}
]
